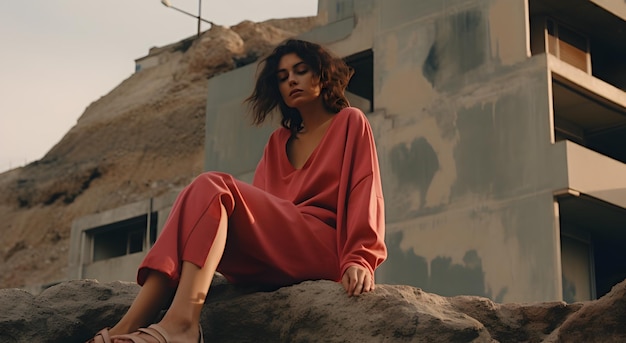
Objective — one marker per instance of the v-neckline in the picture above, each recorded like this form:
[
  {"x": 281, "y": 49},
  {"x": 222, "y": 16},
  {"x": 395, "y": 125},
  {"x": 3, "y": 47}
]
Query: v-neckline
[{"x": 314, "y": 152}]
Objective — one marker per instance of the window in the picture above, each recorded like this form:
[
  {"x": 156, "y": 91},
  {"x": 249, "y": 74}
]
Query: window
[
  {"x": 360, "y": 90},
  {"x": 577, "y": 272},
  {"x": 568, "y": 45},
  {"x": 576, "y": 30},
  {"x": 593, "y": 258},
  {"x": 122, "y": 238}
]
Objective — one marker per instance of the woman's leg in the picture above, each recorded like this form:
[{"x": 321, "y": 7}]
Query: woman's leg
[
  {"x": 183, "y": 316},
  {"x": 152, "y": 298}
]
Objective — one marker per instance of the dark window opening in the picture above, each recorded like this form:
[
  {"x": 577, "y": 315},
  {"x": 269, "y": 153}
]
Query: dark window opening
[
  {"x": 135, "y": 241},
  {"x": 609, "y": 64},
  {"x": 153, "y": 227},
  {"x": 593, "y": 235},
  {"x": 362, "y": 83},
  {"x": 123, "y": 237},
  {"x": 589, "y": 120}
]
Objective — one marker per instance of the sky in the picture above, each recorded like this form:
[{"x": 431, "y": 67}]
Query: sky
[{"x": 59, "y": 56}]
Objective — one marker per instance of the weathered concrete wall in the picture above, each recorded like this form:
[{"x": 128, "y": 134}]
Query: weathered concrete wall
[
  {"x": 122, "y": 268},
  {"x": 467, "y": 171},
  {"x": 232, "y": 144},
  {"x": 465, "y": 150}
]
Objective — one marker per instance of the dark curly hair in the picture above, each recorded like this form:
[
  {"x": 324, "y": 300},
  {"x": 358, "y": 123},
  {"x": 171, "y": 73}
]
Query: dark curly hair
[{"x": 333, "y": 72}]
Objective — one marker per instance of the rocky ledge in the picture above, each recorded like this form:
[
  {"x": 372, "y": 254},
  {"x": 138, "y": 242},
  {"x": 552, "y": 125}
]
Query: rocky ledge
[{"x": 319, "y": 311}]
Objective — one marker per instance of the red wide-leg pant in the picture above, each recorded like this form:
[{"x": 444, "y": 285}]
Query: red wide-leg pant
[{"x": 269, "y": 240}]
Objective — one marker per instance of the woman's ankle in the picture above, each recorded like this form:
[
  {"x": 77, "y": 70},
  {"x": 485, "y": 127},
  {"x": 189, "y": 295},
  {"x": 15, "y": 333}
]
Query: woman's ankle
[
  {"x": 123, "y": 328},
  {"x": 179, "y": 324}
]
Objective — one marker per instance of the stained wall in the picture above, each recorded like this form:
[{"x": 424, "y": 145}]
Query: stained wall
[{"x": 467, "y": 162}]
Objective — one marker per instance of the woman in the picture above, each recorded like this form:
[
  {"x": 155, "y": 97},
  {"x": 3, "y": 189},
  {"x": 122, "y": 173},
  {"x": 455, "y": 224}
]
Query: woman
[{"x": 313, "y": 211}]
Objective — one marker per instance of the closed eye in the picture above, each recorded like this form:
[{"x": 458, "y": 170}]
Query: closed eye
[
  {"x": 282, "y": 76},
  {"x": 299, "y": 68}
]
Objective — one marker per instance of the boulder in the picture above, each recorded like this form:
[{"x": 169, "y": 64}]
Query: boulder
[{"x": 319, "y": 311}]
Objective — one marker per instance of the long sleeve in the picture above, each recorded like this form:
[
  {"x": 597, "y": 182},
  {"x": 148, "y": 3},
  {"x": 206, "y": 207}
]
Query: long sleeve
[
  {"x": 361, "y": 241},
  {"x": 260, "y": 173}
]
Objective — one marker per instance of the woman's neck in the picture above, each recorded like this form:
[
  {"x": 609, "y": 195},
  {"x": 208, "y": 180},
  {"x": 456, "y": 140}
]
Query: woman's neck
[{"x": 314, "y": 116}]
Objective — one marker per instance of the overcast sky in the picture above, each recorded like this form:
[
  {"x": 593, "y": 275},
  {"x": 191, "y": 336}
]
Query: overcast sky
[{"x": 58, "y": 56}]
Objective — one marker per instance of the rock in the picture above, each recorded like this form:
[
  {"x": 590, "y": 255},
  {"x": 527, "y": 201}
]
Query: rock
[
  {"x": 602, "y": 320},
  {"x": 259, "y": 39},
  {"x": 66, "y": 312},
  {"x": 319, "y": 311},
  {"x": 212, "y": 53}
]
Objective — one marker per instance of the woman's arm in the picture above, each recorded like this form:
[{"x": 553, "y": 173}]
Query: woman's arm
[{"x": 361, "y": 244}]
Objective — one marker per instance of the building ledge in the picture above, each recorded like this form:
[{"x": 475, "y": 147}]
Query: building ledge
[
  {"x": 594, "y": 174},
  {"x": 614, "y": 7},
  {"x": 586, "y": 83},
  {"x": 122, "y": 268}
]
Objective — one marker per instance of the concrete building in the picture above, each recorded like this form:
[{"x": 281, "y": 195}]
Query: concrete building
[
  {"x": 501, "y": 133},
  {"x": 109, "y": 246}
]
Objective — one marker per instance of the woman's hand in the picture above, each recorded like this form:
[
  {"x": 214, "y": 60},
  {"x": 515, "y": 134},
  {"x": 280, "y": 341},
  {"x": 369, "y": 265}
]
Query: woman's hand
[{"x": 357, "y": 280}]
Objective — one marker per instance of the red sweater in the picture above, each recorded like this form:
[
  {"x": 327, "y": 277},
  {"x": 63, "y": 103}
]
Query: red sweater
[{"x": 339, "y": 184}]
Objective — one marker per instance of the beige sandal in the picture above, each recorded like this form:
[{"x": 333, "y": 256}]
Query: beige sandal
[
  {"x": 101, "y": 337},
  {"x": 154, "y": 331}
]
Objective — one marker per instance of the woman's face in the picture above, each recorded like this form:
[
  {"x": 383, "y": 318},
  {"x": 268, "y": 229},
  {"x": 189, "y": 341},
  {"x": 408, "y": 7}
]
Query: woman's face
[{"x": 296, "y": 82}]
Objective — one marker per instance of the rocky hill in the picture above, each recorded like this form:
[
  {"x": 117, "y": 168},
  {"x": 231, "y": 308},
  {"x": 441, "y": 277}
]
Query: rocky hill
[{"x": 142, "y": 139}]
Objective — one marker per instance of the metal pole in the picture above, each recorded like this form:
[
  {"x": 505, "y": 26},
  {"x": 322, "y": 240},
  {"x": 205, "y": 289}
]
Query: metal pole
[
  {"x": 166, "y": 3},
  {"x": 199, "y": 15}
]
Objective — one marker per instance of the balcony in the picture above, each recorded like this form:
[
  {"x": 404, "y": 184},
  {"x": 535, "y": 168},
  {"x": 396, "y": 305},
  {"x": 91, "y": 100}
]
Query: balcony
[
  {"x": 583, "y": 34},
  {"x": 586, "y": 56},
  {"x": 592, "y": 222},
  {"x": 587, "y": 111}
]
